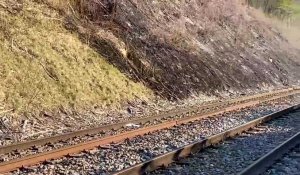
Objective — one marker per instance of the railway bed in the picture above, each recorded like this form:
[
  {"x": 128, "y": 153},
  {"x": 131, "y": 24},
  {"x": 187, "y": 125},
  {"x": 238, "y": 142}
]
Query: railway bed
[
  {"x": 151, "y": 125},
  {"x": 284, "y": 159},
  {"x": 169, "y": 115},
  {"x": 232, "y": 156},
  {"x": 114, "y": 157},
  {"x": 289, "y": 164}
]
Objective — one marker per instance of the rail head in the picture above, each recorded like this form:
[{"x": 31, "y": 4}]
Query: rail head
[
  {"x": 66, "y": 136},
  {"x": 34, "y": 159},
  {"x": 262, "y": 164},
  {"x": 168, "y": 158}
]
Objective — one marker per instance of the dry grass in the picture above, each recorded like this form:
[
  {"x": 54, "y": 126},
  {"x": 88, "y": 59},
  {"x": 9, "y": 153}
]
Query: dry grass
[
  {"x": 43, "y": 66},
  {"x": 290, "y": 29},
  {"x": 296, "y": 9},
  {"x": 72, "y": 6},
  {"x": 78, "y": 7}
]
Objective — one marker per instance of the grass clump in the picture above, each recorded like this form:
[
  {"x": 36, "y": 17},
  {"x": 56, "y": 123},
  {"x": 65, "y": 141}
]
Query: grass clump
[
  {"x": 296, "y": 8},
  {"x": 43, "y": 66},
  {"x": 279, "y": 8}
]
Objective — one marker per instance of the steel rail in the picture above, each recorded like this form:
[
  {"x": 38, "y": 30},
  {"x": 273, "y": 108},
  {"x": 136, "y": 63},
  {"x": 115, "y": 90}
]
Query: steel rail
[
  {"x": 28, "y": 144},
  {"x": 54, "y": 154},
  {"x": 262, "y": 164},
  {"x": 168, "y": 158}
]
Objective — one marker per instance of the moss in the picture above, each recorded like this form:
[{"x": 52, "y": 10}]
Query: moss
[{"x": 44, "y": 66}]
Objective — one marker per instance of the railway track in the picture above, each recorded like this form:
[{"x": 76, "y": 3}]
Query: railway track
[
  {"x": 289, "y": 164},
  {"x": 177, "y": 113},
  {"x": 291, "y": 147},
  {"x": 174, "y": 158},
  {"x": 117, "y": 132}
]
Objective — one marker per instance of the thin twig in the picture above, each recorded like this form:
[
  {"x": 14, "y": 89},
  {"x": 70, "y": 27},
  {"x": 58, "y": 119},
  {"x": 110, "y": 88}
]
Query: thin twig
[{"x": 74, "y": 13}]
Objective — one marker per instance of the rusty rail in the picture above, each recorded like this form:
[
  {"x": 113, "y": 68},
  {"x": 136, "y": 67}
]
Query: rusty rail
[
  {"x": 168, "y": 158},
  {"x": 35, "y": 159},
  {"x": 66, "y": 136}
]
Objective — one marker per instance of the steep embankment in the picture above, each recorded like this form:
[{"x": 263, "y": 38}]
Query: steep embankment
[
  {"x": 51, "y": 51},
  {"x": 179, "y": 48},
  {"x": 283, "y": 14},
  {"x": 44, "y": 66}
]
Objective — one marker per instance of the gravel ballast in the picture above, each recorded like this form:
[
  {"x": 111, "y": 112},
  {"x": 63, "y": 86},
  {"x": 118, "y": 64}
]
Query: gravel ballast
[
  {"x": 49, "y": 124},
  {"x": 79, "y": 139},
  {"x": 232, "y": 156},
  {"x": 288, "y": 164},
  {"x": 119, "y": 156}
]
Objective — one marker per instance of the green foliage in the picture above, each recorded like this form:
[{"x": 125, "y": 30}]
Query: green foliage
[
  {"x": 279, "y": 8},
  {"x": 296, "y": 8}
]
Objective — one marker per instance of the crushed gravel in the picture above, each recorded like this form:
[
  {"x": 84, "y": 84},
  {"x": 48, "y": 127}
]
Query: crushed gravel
[
  {"x": 128, "y": 127},
  {"x": 15, "y": 128},
  {"x": 119, "y": 156},
  {"x": 288, "y": 164},
  {"x": 232, "y": 156}
]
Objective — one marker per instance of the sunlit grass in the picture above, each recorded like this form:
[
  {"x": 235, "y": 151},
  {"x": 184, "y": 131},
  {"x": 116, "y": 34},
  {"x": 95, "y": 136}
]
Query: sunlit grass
[
  {"x": 44, "y": 66},
  {"x": 296, "y": 8}
]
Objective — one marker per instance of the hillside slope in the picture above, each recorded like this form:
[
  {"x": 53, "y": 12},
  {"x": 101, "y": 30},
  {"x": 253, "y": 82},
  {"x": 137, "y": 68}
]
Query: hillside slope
[
  {"x": 181, "y": 48},
  {"x": 72, "y": 64},
  {"x": 43, "y": 66},
  {"x": 82, "y": 54}
]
